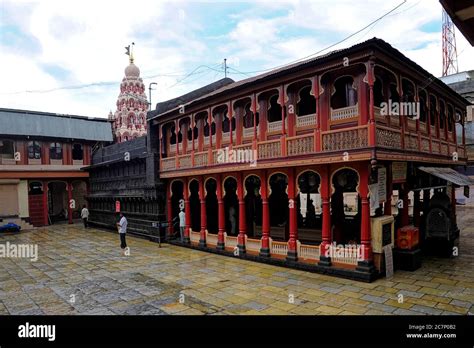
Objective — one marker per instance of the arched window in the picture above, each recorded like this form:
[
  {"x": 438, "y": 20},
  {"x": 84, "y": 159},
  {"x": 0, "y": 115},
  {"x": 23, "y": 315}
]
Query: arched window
[
  {"x": 307, "y": 103},
  {"x": 34, "y": 150},
  {"x": 56, "y": 151},
  {"x": 378, "y": 92},
  {"x": 344, "y": 93},
  {"x": 172, "y": 135},
  {"x": 77, "y": 152},
  {"x": 450, "y": 118},
  {"x": 248, "y": 116},
  {"x": 442, "y": 114},
  {"x": 432, "y": 110},
  {"x": 423, "y": 109},
  {"x": 274, "y": 110},
  {"x": 7, "y": 149}
]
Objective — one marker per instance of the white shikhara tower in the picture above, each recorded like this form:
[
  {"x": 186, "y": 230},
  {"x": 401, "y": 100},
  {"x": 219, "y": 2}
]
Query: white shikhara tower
[{"x": 129, "y": 121}]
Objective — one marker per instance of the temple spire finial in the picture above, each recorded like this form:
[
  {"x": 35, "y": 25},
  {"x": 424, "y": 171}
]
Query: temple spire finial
[{"x": 129, "y": 52}]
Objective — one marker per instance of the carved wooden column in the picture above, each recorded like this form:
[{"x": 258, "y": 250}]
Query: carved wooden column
[
  {"x": 242, "y": 217},
  {"x": 366, "y": 264},
  {"x": 371, "y": 79},
  {"x": 293, "y": 222},
  {"x": 281, "y": 101},
  {"x": 324, "y": 257},
  {"x": 221, "y": 215},
  {"x": 187, "y": 211},
  {"x": 317, "y": 130},
  {"x": 202, "y": 198},
  {"x": 265, "y": 249}
]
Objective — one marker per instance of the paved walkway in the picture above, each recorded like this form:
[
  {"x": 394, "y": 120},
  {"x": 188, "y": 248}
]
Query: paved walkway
[{"x": 82, "y": 272}]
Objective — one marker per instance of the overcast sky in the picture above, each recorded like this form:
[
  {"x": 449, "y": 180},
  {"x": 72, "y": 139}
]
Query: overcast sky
[{"x": 48, "y": 45}]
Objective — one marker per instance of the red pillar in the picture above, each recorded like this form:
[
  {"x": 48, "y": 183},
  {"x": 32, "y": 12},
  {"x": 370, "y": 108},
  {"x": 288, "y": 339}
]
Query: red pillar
[
  {"x": 202, "y": 239},
  {"x": 366, "y": 264},
  {"x": 242, "y": 218},
  {"x": 169, "y": 210},
  {"x": 45, "y": 203},
  {"x": 221, "y": 215},
  {"x": 187, "y": 211},
  {"x": 69, "y": 201},
  {"x": 324, "y": 258},
  {"x": 293, "y": 227},
  {"x": 372, "y": 140},
  {"x": 265, "y": 249}
]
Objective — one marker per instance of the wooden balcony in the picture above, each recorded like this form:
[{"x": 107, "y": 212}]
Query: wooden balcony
[
  {"x": 334, "y": 141},
  {"x": 344, "y": 114},
  {"x": 306, "y": 121},
  {"x": 248, "y": 132}
]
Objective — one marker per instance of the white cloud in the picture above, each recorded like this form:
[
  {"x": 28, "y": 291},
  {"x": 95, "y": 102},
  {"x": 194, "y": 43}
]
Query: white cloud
[{"x": 85, "y": 39}]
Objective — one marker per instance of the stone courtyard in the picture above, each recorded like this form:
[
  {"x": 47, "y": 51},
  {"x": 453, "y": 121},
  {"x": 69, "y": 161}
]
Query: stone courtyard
[{"x": 82, "y": 271}]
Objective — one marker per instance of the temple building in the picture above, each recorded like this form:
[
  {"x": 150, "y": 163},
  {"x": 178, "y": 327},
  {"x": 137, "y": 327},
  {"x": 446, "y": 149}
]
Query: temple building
[
  {"x": 311, "y": 165},
  {"x": 129, "y": 119},
  {"x": 41, "y": 160},
  {"x": 123, "y": 175}
]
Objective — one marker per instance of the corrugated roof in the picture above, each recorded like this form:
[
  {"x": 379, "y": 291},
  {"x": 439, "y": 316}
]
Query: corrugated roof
[
  {"x": 448, "y": 174},
  {"x": 281, "y": 71},
  {"x": 41, "y": 124}
]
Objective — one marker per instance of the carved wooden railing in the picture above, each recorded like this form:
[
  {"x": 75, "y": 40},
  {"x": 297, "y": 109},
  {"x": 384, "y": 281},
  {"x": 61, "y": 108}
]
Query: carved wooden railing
[
  {"x": 200, "y": 159},
  {"x": 168, "y": 164},
  {"x": 248, "y": 132},
  {"x": 252, "y": 244},
  {"x": 300, "y": 145},
  {"x": 226, "y": 137},
  {"x": 306, "y": 120},
  {"x": 172, "y": 148},
  {"x": 194, "y": 237},
  {"x": 274, "y": 126},
  {"x": 278, "y": 248},
  {"x": 345, "y": 139},
  {"x": 308, "y": 252},
  {"x": 348, "y": 255},
  {"x": 411, "y": 142},
  {"x": 211, "y": 239},
  {"x": 344, "y": 113},
  {"x": 185, "y": 161},
  {"x": 435, "y": 146},
  {"x": 425, "y": 144},
  {"x": 243, "y": 154},
  {"x": 445, "y": 148},
  {"x": 411, "y": 124},
  {"x": 388, "y": 137},
  {"x": 378, "y": 115},
  {"x": 269, "y": 149},
  {"x": 206, "y": 140},
  {"x": 395, "y": 121},
  {"x": 215, "y": 157}
]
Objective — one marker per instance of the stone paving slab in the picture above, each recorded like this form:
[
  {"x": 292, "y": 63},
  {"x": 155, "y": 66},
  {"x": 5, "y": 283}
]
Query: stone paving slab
[{"x": 87, "y": 265}]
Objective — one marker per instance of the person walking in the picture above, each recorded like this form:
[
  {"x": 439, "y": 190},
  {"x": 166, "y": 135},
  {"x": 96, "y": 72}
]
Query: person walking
[
  {"x": 182, "y": 224},
  {"x": 122, "y": 230},
  {"x": 85, "y": 215}
]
